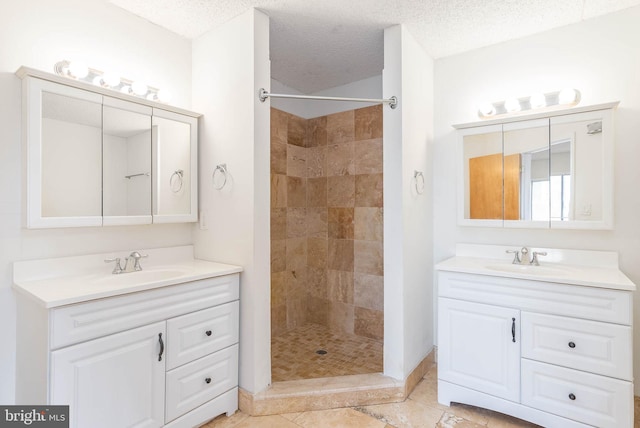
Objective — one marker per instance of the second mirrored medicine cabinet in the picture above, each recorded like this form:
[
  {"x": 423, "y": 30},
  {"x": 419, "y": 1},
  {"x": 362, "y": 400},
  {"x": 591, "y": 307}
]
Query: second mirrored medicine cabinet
[
  {"x": 548, "y": 170},
  {"x": 95, "y": 158}
]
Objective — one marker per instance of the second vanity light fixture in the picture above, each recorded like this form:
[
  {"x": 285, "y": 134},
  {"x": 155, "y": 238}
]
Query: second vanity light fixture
[
  {"x": 565, "y": 97},
  {"x": 77, "y": 70}
]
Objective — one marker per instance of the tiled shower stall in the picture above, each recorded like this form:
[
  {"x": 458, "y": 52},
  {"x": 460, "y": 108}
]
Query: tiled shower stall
[{"x": 326, "y": 243}]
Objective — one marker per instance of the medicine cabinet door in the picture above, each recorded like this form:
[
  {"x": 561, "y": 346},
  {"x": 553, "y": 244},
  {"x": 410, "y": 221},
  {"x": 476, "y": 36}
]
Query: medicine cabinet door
[{"x": 63, "y": 132}]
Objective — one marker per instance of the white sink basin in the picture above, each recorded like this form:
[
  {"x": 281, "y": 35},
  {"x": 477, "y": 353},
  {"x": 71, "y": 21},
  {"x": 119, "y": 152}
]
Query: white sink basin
[
  {"x": 530, "y": 269},
  {"x": 139, "y": 277}
]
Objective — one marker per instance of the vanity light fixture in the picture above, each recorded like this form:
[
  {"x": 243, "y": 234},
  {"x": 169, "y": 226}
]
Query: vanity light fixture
[
  {"x": 77, "y": 70},
  {"x": 564, "y": 97}
]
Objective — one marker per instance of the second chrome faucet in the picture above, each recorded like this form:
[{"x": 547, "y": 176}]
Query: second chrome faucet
[
  {"x": 129, "y": 266},
  {"x": 522, "y": 257}
]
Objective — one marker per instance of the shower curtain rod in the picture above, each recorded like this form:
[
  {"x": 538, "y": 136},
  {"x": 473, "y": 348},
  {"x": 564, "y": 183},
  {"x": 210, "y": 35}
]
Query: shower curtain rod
[{"x": 263, "y": 94}]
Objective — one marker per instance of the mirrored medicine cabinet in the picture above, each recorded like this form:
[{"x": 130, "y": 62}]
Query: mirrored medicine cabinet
[
  {"x": 93, "y": 159},
  {"x": 542, "y": 172}
]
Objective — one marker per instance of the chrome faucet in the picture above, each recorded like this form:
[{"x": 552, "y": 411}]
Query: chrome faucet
[
  {"x": 522, "y": 257},
  {"x": 135, "y": 266},
  {"x": 135, "y": 256}
]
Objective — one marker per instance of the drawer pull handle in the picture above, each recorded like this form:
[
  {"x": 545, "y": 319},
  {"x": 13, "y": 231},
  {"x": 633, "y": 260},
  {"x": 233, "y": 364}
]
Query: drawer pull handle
[
  {"x": 208, "y": 332},
  {"x": 572, "y": 345},
  {"x": 208, "y": 380},
  {"x": 572, "y": 397},
  {"x": 161, "y": 347},
  {"x": 513, "y": 330}
]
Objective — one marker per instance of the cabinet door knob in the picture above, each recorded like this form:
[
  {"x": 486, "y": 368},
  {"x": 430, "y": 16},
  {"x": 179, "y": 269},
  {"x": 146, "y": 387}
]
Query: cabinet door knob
[
  {"x": 572, "y": 397},
  {"x": 208, "y": 380},
  {"x": 208, "y": 332},
  {"x": 572, "y": 345}
]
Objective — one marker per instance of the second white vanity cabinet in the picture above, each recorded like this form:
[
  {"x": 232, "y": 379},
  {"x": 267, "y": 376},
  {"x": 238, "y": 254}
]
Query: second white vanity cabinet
[
  {"x": 548, "y": 351},
  {"x": 162, "y": 357}
]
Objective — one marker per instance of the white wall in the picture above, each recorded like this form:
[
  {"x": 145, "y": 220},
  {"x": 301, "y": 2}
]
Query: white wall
[
  {"x": 600, "y": 57},
  {"x": 38, "y": 33},
  {"x": 365, "y": 88},
  {"x": 408, "y": 140},
  {"x": 230, "y": 65}
]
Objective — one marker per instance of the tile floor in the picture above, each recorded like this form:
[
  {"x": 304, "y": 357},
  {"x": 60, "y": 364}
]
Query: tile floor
[
  {"x": 293, "y": 354},
  {"x": 420, "y": 409}
]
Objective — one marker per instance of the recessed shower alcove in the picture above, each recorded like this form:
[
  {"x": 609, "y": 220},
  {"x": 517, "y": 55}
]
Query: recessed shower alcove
[{"x": 326, "y": 244}]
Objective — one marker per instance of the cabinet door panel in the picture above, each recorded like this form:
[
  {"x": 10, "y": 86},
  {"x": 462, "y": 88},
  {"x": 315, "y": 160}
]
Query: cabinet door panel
[
  {"x": 477, "y": 348},
  {"x": 115, "y": 381}
]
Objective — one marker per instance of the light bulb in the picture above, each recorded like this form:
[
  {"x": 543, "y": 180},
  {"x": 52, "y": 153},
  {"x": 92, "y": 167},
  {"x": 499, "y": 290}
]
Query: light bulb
[
  {"x": 139, "y": 88},
  {"x": 97, "y": 81},
  {"x": 78, "y": 69},
  {"x": 487, "y": 109},
  {"x": 111, "y": 79},
  {"x": 126, "y": 89},
  {"x": 537, "y": 100},
  {"x": 567, "y": 96},
  {"x": 512, "y": 105},
  {"x": 164, "y": 96},
  {"x": 151, "y": 96}
]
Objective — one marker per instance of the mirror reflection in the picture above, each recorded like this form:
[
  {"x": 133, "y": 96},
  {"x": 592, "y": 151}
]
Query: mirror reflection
[
  {"x": 71, "y": 130},
  {"x": 127, "y": 163},
  {"x": 483, "y": 175},
  {"x": 172, "y": 147}
]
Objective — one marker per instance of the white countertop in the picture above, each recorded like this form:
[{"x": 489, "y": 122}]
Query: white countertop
[
  {"x": 586, "y": 268},
  {"x": 69, "y": 280}
]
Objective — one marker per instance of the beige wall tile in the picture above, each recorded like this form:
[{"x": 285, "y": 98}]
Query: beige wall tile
[
  {"x": 296, "y": 253},
  {"x": 278, "y": 288},
  {"x": 278, "y": 191},
  {"x": 317, "y": 131},
  {"x": 316, "y": 222},
  {"x": 341, "y": 317},
  {"x": 296, "y": 222},
  {"x": 341, "y": 223},
  {"x": 317, "y": 282},
  {"x": 341, "y": 191},
  {"x": 340, "y": 159},
  {"x": 340, "y": 127},
  {"x": 296, "y": 131},
  {"x": 369, "y": 323},
  {"x": 368, "y": 257},
  {"x": 278, "y": 319},
  {"x": 367, "y": 155},
  {"x": 296, "y": 311},
  {"x": 340, "y": 254},
  {"x": 296, "y": 192},
  {"x": 368, "y": 224},
  {"x": 296, "y": 161},
  {"x": 295, "y": 283},
  {"x": 316, "y": 161},
  {"x": 318, "y": 310},
  {"x": 278, "y": 223},
  {"x": 317, "y": 192},
  {"x": 368, "y": 190},
  {"x": 343, "y": 215},
  {"x": 279, "y": 126},
  {"x": 340, "y": 230},
  {"x": 340, "y": 286},
  {"x": 317, "y": 252},
  {"x": 278, "y": 255},
  {"x": 368, "y": 291},
  {"x": 278, "y": 158},
  {"x": 368, "y": 123}
]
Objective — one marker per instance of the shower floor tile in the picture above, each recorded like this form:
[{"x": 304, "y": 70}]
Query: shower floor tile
[{"x": 293, "y": 354}]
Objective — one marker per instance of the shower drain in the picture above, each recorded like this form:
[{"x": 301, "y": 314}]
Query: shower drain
[{"x": 321, "y": 352}]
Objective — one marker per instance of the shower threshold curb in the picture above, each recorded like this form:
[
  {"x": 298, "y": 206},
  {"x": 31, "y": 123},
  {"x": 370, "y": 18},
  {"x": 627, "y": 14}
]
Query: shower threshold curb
[{"x": 332, "y": 392}]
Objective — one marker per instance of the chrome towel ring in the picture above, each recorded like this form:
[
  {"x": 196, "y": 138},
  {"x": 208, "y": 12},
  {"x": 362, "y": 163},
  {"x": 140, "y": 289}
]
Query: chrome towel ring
[
  {"x": 221, "y": 171},
  {"x": 419, "y": 182},
  {"x": 175, "y": 181}
]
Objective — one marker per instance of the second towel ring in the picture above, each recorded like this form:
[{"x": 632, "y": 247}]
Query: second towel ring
[
  {"x": 419, "y": 177},
  {"x": 222, "y": 169},
  {"x": 175, "y": 181}
]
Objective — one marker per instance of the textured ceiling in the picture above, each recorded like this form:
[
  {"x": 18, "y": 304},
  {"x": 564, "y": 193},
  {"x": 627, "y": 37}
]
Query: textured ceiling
[{"x": 323, "y": 44}]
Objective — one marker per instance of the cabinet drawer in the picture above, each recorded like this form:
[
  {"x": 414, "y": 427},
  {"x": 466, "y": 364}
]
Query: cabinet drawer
[
  {"x": 598, "y": 304},
  {"x": 584, "y": 345},
  {"x": 187, "y": 386},
  {"x": 592, "y": 399},
  {"x": 200, "y": 333},
  {"x": 84, "y": 321}
]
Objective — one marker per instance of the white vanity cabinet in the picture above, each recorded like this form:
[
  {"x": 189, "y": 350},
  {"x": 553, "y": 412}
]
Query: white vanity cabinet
[
  {"x": 163, "y": 357},
  {"x": 556, "y": 354}
]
